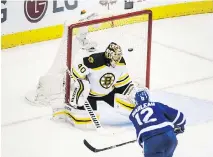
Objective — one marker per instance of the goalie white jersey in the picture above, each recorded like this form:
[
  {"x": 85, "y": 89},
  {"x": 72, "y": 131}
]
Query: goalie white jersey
[{"x": 103, "y": 78}]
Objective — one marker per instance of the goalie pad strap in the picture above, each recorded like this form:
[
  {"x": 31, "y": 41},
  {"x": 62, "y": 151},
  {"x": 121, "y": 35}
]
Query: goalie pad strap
[{"x": 81, "y": 89}]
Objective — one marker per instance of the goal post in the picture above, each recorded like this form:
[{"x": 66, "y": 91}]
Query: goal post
[{"x": 111, "y": 19}]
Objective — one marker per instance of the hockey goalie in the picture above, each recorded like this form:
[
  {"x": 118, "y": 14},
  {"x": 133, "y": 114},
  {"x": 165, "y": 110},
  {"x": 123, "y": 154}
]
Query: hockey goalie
[{"x": 98, "y": 77}]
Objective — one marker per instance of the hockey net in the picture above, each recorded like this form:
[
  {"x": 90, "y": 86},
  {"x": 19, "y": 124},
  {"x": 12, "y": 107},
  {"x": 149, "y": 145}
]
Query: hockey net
[{"x": 132, "y": 31}]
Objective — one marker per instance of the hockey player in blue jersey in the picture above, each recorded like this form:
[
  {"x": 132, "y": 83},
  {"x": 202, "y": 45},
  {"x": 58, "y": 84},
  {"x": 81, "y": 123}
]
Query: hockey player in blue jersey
[{"x": 156, "y": 126}]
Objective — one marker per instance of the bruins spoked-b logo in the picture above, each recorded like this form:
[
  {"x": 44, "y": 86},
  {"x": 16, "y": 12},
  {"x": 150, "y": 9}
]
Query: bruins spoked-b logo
[
  {"x": 107, "y": 80},
  {"x": 35, "y": 10}
]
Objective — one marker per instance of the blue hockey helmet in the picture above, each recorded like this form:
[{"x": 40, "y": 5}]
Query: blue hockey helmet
[{"x": 141, "y": 97}]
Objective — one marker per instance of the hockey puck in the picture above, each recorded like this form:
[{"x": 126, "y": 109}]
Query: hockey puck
[{"x": 130, "y": 49}]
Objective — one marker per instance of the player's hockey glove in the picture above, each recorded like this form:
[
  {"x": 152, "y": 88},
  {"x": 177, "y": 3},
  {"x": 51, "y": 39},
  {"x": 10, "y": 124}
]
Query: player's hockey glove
[{"x": 178, "y": 130}]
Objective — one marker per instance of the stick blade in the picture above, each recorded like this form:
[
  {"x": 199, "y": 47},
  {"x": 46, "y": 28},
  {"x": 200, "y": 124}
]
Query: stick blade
[{"x": 89, "y": 146}]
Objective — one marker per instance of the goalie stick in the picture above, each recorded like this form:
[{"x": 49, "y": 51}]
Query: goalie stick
[
  {"x": 92, "y": 115},
  {"x": 95, "y": 150}
]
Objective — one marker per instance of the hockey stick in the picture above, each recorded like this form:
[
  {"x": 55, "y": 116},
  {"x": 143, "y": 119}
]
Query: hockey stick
[
  {"x": 92, "y": 115},
  {"x": 89, "y": 109},
  {"x": 96, "y": 150}
]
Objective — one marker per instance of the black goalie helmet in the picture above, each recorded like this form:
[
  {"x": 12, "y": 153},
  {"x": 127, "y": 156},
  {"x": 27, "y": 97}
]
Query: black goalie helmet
[{"x": 113, "y": 52}]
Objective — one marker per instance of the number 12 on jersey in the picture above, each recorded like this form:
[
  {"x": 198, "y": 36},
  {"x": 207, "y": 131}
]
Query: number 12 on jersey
[{"x": 144, "y": 116}]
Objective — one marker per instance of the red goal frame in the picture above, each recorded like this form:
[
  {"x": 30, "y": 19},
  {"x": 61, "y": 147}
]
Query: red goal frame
[{"x": 112, "y": 18}]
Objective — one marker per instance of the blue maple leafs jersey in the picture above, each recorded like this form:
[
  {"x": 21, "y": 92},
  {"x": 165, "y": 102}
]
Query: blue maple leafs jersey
[{"x": 152, "y": 118}]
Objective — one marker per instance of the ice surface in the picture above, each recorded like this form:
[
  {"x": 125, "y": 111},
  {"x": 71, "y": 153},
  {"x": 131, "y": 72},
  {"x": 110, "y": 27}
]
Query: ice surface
[{"x": 182, "y": 63}]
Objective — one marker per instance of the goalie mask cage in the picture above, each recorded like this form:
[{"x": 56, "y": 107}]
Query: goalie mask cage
[
  {"x": 138, "y": 16},
  {"x": 129, "y": 30}
]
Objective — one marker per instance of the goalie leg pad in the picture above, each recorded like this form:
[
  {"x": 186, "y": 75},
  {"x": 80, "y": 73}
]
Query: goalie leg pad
[
  {"x": 80, "y": 92},
  {"x": 123, "y": 105},
  {"x": 79, "y": 118},
  {"x": 59, "y": 113}
]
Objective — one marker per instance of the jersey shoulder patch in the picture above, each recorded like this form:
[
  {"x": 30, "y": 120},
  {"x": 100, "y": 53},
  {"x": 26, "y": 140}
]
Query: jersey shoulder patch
[{"x": 95, "y": 60}]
